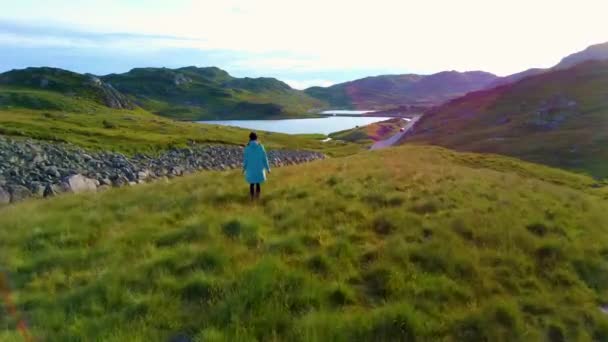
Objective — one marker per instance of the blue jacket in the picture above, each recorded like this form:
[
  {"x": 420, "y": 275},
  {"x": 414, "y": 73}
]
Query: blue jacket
[{"x": 255, "y": 163}]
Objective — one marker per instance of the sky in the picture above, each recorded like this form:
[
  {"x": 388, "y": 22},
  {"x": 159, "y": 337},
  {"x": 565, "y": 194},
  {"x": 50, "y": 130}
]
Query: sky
[{"x": 304, "y": 43}]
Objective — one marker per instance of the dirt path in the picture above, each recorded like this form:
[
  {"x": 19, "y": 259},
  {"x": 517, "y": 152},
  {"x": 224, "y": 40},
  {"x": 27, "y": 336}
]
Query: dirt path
[{"x": 395, "y": 138}]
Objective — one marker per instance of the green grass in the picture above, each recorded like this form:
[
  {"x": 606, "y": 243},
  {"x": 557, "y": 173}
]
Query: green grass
[
  {"x": 93, "y": 126},
  {"x": 370, "y": 133},
  {"x": 400, "y": 244},
  {"x": 502, "y": 120}
]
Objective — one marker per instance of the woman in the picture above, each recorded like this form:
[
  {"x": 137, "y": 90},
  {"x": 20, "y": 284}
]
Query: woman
[{"x": 255, "y": 162}]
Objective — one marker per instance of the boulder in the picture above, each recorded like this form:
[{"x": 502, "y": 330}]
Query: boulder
[
  {"x": 5, "y": 196},
  {"x": 52, "y": 190},
  {"x": 79, "y": 183},
  {"x": 19, "y": 193}
]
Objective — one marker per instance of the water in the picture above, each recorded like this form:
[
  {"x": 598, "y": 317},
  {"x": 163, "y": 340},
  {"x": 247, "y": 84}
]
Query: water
[
  {"x": 301, "y": 126},
  {"x": 347, "y": 112}
]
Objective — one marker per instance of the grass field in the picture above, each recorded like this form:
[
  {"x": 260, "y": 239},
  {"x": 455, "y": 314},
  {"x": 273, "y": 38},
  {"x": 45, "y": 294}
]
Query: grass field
[
  {"x": 410, "y": 243},
  {"x": 93, "y": 126}
]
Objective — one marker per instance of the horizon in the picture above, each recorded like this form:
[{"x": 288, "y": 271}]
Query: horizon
[{"x": 282, "y": 41}]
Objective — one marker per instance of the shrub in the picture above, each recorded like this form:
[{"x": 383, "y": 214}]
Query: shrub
[
  {"x": 108, "y": 125},
  {"x": 341, "y": 295},
  {"x": 200, "y": 289},
  {"x": 538, "y": 229},
  {"x": 319, "y": 264}
]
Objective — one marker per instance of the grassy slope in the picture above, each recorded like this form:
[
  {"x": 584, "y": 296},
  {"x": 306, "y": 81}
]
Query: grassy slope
[
  {"x": 211, "y": 93},
  {"x": 91, "y": 125},
  {"x": 370, "y": 133},
  {"x": 499, "y": 120},
  {"x": 403, "y": 242}
]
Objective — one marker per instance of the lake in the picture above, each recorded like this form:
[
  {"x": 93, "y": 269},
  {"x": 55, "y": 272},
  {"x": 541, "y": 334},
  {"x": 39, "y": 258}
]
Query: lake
[
  {"x": 326, "y": 125},
  {"x": 346, "y": 112}
]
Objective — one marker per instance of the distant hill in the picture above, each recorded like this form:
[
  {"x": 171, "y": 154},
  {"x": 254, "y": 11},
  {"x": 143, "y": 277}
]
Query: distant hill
[
  {"x": 595, "y": 52},
  {"x": 558, "y": 118},
  {"x": 15, "y": 84},
  {"x": 381, "y": 92},
  {"x": 189, "y": 93},
  {"x": 515, "y": 77},
  {"x": 210, "y": 93}
]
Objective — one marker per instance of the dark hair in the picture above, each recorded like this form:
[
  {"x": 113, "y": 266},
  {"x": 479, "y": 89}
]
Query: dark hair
[{"x": 253, "y": 136}]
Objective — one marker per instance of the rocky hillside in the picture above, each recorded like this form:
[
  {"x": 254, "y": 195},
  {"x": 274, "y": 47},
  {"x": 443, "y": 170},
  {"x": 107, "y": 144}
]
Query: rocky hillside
[
  {"x": 381, "y": 92},
  {"x": 39, "y": 169},
  {"x": 189, "y": 93},
  {"x": 60, "y": 81},
  {"x": 558, "y": 118}
]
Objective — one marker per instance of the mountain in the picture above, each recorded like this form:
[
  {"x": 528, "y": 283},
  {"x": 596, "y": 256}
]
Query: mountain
[
  {"x": 188, "y": 93},
  {"x": 515, "y": 77},
  {"x": 405, "y": 244},
  {"x": 381, "y": 92},
  {"x": 559, "y": 118},
  {"x": 210, "y": 93},
  {"x": 593, "y": 52},
  {"x": 55, "y": 80}
]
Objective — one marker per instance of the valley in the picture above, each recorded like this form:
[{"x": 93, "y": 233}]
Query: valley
[{"x": 455, "y": 206}]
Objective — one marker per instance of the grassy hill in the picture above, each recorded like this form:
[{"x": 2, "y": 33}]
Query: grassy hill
[
  {"x": 193, "y": 93},
  {"x": 189, "y": 93},
  {"x": 41, "y": 88},
  {"x": 369, "y": 133},
  {"x": 412, "y": 243},
  {"x": 91, "y": 125},
  {"x": 558, "y": 118},
  {"x": 388, "y": 91}
]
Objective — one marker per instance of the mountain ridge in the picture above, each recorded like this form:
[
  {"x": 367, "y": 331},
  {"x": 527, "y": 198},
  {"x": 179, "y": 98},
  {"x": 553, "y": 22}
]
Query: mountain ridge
[
  {"x": 188, "y": 93},
  {"x": 385, "y": 91},
  {"x": 559, "y": 118}
]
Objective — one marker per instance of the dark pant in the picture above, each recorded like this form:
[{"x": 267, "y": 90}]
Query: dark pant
[{"x": 257, "y": 190}]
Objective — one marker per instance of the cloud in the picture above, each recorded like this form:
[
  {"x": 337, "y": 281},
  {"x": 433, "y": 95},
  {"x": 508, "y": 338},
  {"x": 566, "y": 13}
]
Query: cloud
[
  {"x": 320, "y": 38},
  {"x": 30, "y": 35}
]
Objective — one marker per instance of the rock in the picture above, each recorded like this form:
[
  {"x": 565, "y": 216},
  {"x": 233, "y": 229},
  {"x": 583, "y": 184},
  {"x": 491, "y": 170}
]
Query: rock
[
  {"x": 142, "y": 175},
  {"x": 79, "y": 183},
  {"x": 52, "y": 190},
  {"x": 103, "y": 188},
  {"x": 19, "y": 193},
  {"x": 5, "y": 196},
  {"x": 105, "y": 181},
  {"x": 45, "y": 168},
  {"x": 120, "y": 181},
  {"x": 37, "y": 189},
  {"x": 52, "y": 171}
]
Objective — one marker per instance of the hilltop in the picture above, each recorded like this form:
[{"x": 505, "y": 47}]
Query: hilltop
[
  {"x": 188, "y": 93},
  {"x": 596, "y": 52},
  {"x": 28, "y": 88},
  {"x": 193, "y": 93},
  {"x": 388, "y": 91},
  {"x": 558, "y": 118},
  {"x": 407, "y": 243}
]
